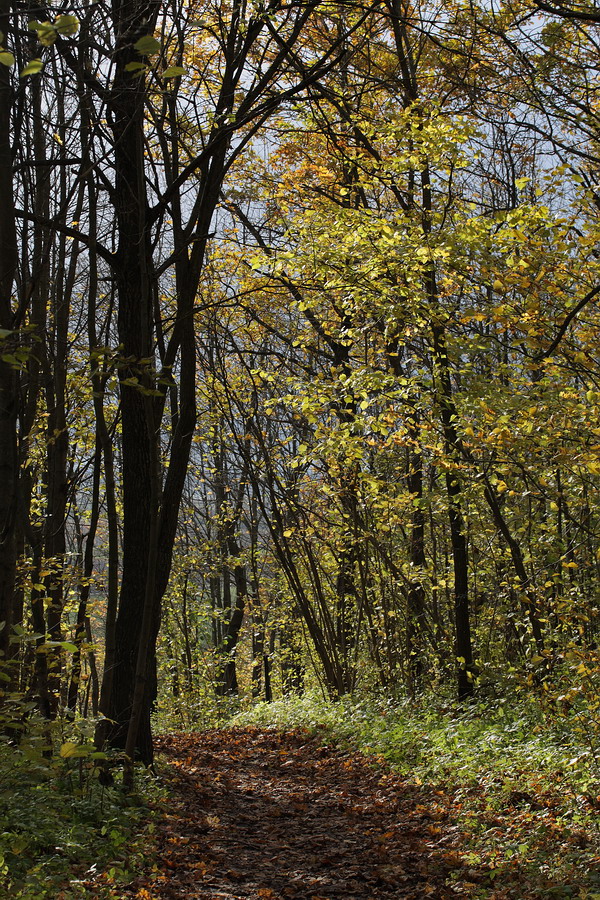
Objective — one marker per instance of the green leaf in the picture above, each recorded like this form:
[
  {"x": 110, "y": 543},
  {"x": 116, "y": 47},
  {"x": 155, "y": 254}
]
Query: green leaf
[
  {"x": 147, "y": 45},
  {"x": 69, "y": 749},
  {"x": 173, "y": 72},
  {"x": 7, "y": 58},
  {"x": 67, "y": 645},
  {"x": 33, "y": 67},
  {"x": 135, "y": 67},
  {"x": 46, "y": 32},
  {"x": 67, "y": 25},
  {"x": 19, "y": 843}
]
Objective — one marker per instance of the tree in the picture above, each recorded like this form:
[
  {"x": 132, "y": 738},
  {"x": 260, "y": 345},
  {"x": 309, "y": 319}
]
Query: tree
[
  {"x": 8, "y": 368},
  {"x": 265, "y": 47}
]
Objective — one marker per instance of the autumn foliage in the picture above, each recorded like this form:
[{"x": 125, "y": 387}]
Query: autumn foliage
[{"x": 299, "y": 376}]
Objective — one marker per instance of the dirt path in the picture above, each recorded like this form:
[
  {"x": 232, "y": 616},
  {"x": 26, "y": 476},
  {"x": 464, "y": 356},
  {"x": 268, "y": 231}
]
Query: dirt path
[{"x": 261, "y": 815}]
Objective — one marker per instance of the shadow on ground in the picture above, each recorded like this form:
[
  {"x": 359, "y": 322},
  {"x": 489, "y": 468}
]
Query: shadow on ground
[{"x": 264, "y": 815}]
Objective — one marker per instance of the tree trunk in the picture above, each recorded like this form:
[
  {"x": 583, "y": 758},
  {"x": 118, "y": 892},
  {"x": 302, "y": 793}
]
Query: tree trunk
[
  {"x": 132, "y": 274},
  {"x": 9, "y": 465},
  {"x": 458, "y": 537}
]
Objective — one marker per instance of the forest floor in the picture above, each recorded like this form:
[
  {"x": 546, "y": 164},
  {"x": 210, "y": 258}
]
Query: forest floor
[
  {"x": 266, "y": 815},
  {"x": 252, "y": 812},
  {"x": 345, "y": 801}
]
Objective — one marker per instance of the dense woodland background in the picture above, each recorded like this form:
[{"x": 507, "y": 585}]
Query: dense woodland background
[{"x": 299, "y": 357}]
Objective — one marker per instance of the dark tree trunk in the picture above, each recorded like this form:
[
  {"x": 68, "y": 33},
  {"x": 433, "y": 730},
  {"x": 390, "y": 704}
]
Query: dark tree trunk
[
  {"x": 132, "y": 274},
  {"x": 227, "y": 683},
  {"x": 9, "y": 466},
  {"x": 416, "y": 622},
  {"x": 454, "y": 455},
  {"x": 458, "y": 537},
  {"x": 258, "y": 653},
  {"x": 87, "y": 567}
]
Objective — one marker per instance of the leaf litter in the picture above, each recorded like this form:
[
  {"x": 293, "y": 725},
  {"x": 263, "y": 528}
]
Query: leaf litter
[{"x": 270, "y": 815}]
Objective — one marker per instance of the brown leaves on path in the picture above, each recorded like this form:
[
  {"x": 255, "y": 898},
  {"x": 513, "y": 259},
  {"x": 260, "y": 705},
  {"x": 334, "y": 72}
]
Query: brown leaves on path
[{"x": 265, "y": 815}]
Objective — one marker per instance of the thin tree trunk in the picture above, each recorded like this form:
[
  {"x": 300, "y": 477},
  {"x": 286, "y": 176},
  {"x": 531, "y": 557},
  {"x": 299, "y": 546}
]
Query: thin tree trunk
[
  {"x": 87, "y": 568},
  {"x": 458, "y": 536},
  {"x": 528, "y": 598},
  {"x": 9, "y": 465}
]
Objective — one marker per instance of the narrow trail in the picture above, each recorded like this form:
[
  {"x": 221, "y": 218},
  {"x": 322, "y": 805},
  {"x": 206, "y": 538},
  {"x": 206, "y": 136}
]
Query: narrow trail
[{"x": 264, "y": 815}]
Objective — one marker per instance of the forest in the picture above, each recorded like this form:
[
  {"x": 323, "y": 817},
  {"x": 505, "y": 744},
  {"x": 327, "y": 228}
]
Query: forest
[{"x": 299, "y": 416}]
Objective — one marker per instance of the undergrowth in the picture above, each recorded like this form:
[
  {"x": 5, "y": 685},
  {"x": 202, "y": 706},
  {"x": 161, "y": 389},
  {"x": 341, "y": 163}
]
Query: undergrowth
[
  {"x": 523, "y": 788},
  {"x": 59, "y": 827}
]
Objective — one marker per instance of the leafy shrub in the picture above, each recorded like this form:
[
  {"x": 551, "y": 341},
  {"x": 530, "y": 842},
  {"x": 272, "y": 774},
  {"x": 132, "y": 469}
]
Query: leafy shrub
[{"x": 57, "y": 822}]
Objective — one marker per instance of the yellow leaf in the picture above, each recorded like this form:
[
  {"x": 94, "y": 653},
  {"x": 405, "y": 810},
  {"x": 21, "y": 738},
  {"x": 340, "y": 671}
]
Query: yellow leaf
[{"x": 68, "y": 749}]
